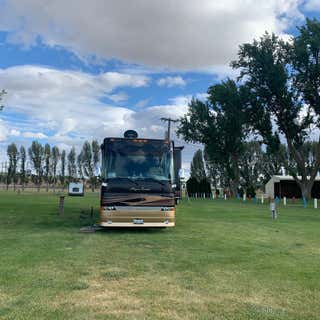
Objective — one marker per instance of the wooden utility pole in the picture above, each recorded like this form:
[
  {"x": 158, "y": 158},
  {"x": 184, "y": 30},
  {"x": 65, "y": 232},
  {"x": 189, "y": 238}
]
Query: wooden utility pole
[{"x": 169, "y": 120}]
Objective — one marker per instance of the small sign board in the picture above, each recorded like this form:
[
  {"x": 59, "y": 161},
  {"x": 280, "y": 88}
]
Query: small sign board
[{"x": 76, "y": 189}]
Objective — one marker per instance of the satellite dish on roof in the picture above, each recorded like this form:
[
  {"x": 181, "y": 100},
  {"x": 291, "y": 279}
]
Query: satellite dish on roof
[{"x": 131, "y": 134}]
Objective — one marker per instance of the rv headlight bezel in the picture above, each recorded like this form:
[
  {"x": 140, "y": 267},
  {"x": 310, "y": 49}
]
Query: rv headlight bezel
[
  {"x": 110, "y": 208},
  {"x": 167, "y": 208}
]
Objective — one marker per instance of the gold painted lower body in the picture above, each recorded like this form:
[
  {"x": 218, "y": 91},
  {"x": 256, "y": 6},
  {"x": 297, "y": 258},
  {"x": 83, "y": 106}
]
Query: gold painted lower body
[
  {"x": 145, "y": 225},
  {"x": 124, "y": 217}
]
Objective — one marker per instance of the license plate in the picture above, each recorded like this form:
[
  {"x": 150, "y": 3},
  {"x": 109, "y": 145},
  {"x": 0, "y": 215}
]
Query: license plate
[{"x": 138, "y": 221}]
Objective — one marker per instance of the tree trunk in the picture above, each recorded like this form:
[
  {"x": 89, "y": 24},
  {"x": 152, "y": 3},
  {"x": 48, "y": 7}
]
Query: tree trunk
[
  {"x": 234, "y": 183},
  {"x": 234, "y": 187},
  {"x": 305, "y": 183},
  {"x": 306, "y": 187}
]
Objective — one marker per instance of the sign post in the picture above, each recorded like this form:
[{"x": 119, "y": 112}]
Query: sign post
[{"x": 61, "y": 206}]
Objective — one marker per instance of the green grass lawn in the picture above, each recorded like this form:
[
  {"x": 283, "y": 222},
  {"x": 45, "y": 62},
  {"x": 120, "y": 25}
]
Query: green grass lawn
[{"x": 223, "y": 260}]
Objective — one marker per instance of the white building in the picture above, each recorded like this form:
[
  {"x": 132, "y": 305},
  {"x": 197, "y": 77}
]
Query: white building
[{"x": 286, "y": 186}]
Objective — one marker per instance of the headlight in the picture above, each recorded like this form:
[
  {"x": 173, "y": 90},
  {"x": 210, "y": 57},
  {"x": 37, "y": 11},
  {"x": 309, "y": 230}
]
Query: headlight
[
  {"x": 110, "y": 208},
  {"x": 166, "y": 208}
]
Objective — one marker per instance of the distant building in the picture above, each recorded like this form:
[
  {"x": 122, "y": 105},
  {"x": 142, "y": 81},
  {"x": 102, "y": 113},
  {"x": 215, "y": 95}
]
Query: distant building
[{"x": 286, "y": 186}]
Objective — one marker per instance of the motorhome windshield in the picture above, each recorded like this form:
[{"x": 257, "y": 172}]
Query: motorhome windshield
[{"x": 138, "y": 159}]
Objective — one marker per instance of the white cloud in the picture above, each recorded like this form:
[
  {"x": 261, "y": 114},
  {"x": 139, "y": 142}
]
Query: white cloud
[
  {"x": 64, "y": 101},
  {"x": 186, "y": 99},
  {"x": 201, "y": 96},
  {"x": 67, "y": 107},
  {"x": 34, "y": 135},
  {"x": 118, "y": 97},
  {"x": 181, "y": 100},
  {"x": 223, "y": 72},
  {"x": 142, "y": 103},
  {"x": 148, "y": 124},
  {"x": 15, "y": 133},
  {"x": 147, "y": 121},
  {"x": 62, "y": 107},
  {"x": 192, "y": 34},
  {"x": 171, "y": 82},
  {"x": 312, "y": 5}
]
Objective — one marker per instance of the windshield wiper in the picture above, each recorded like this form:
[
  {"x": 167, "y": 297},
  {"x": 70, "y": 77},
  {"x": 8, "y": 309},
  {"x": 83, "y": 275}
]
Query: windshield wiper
[
  {"x": 129, "y": 179},
  {"x": 155, "y": 180}
]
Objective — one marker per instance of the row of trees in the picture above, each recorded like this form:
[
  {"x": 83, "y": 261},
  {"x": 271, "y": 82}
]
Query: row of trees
[
  {"x": 50, "y": 165},
  {"x": 256, "y": 167},
  {"x": 275, "y": 101}
]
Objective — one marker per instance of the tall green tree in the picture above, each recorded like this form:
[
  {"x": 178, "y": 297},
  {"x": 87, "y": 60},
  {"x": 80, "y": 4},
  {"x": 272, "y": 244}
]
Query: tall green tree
[
  {"x": 88, "y": 163},
  {"x": 198, "y": 182},
  {"x": 197, "y": 170},
  {"x": 251, "y": 164},
  {"x": 23, "y": 160},
  {"x": 72, "y": 167},
  {"x": 283, "y": 83},
  {"x": 63, "y": 169},
  {"x": 216, "y": 172},
  {"x": 274, "y": 162},
  {"x": 47, "y": 164},
  {"x": 13, "y": 154},
  {"x": 79, "y": 165},
  {"x": 309, "y": 152},
  {"x": 219, "y": 124},
  {"x": 55, "y": 156},
  {"x": 89, "y": 158},
  {"x": 36, "y": 155},
  {"x": 95, "y": 154}
]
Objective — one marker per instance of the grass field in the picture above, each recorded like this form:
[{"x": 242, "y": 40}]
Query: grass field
[{"x": 224, "y": 260}]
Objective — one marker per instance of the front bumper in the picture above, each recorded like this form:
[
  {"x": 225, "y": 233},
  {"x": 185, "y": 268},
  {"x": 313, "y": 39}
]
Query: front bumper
[
  {"x": 126, "y": 217},
  {"x": 145, "y": 225}
]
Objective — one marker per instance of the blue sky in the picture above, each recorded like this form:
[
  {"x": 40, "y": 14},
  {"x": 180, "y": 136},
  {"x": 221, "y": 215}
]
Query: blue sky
[{"x": 80, "y": 70}]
